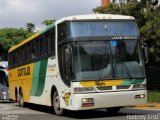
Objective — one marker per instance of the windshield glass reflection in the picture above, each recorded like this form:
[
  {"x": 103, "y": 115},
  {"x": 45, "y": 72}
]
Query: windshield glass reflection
[{"x": 114, "y": 59}]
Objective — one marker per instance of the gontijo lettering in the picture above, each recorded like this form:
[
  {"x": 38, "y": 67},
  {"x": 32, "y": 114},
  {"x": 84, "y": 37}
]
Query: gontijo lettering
[{"x": 23, "y": 71}]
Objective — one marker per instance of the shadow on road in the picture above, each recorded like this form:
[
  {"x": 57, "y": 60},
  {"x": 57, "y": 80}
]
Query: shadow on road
[
  {"x": 86, "y": 114},
  {"x": 6, "y": 101},
  {"x": 89, "y": 114}
]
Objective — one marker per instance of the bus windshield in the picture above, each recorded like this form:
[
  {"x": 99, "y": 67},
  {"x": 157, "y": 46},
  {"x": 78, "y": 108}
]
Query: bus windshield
[
  {"x": 113, "y": 58},
  {"x": 100, "y": 28},
  {"x": 3, "y": 78}
]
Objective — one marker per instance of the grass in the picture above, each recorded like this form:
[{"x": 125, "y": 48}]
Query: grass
[{"x": 153, "y": 96}]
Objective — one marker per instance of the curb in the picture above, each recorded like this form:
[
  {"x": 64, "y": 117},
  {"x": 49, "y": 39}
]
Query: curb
[{"x": 148, "y": 106}]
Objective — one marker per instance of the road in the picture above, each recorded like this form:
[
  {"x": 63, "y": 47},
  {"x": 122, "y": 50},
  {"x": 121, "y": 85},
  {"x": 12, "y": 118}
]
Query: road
[{"x": 10, "y": 111}]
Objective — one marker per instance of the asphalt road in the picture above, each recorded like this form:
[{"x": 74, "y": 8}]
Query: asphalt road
[{"x": 10, "y": 111}]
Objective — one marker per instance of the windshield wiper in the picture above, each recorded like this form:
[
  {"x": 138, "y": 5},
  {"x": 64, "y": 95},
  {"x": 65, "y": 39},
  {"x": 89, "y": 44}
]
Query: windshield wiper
[
  {"x": 102, "y": 66},
  {"x": 127, "y": 70},
  {"x": 124, "y": 65}
]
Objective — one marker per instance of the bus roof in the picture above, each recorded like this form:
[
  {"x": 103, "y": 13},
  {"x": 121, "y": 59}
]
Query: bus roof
[
  {"x": 72, "y": 18},
  {"x": 96, "y": 17}
]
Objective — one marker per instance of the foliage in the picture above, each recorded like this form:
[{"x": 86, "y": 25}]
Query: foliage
[
  {"x": 153, "y": 96},
  {"x": 147, "y": 15},
  {"x": 30, "y": 27},
  {"x": 48, "y": 22},
  {"x": 10, "y": 37}
]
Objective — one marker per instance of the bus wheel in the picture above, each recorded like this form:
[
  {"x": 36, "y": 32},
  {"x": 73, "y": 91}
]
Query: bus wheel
[
  {"x": 56, "y": 104},
  {"x": 16, "y": 95},
  {"x": 113, "y": 110},
  {"x": 20, "y": 100}
]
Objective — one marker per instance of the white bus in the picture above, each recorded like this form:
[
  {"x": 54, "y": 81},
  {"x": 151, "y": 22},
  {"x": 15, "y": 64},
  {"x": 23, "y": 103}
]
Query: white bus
[{"x": 79, "y": 63}]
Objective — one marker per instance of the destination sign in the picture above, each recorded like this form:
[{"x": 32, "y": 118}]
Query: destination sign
[{"x": 124, "y": 37}]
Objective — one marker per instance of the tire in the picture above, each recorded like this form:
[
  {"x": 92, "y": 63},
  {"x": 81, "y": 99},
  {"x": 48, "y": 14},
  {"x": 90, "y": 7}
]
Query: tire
[
  {"x": 20, "y": 100},
  {"x": 56, "y": 104},
  {"x": 113, "y": 110},
  {"x": 16, "y": 95},
  {"x": 17, "y": 99}
]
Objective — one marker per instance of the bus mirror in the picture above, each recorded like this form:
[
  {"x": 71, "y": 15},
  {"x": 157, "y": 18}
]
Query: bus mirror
[{"x": 145, "y": 53}]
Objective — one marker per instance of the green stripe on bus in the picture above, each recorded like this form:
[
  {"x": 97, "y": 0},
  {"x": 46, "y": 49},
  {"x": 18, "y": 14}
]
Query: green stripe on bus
[
  {"x": 42, "y": 77},
  {"x": 133, "y": 81},
  {"x": 35, "y": 78}
]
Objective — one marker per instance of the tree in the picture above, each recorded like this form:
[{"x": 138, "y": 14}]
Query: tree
[
  {"x": 151, "y": 35},
  {"x": 30, "y": 27},
  {"x": 48, "y": 22},
  {"x": 131, "y": 8},
  {"x": 10, "y": 37}
]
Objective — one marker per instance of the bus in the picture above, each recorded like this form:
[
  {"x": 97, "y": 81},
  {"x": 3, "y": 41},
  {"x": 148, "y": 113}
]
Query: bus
[
  {"x": 80, "y": 62},
  {"x": 4, "y": 89}
]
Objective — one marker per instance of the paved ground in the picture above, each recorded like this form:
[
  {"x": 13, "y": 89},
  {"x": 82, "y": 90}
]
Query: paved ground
[{"x": 10, "y": 111}]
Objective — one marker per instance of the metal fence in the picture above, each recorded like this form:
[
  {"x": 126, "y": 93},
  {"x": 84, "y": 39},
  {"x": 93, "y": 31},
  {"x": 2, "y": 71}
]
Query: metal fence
[{"x": 153, "y": 77}]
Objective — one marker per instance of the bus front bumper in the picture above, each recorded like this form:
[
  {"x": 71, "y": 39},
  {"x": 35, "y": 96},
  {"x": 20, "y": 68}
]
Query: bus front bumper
[{"x": 108, "y": 99}]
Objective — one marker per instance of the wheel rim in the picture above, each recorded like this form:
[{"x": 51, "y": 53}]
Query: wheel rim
[
  {"x": 21, "y": 101},
  {"x": 18, "y": 100},
  {"x": 57, "y": 103}
]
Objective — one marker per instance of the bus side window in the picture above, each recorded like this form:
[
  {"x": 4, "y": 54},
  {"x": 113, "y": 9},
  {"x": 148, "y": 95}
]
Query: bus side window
[
  {"x": 23, "y": 54},
  {"x": 33, "y": 54},
  {"x": 19, "y": 56},
  {"x": 42, "y": 46},
  {"x": 62, "y": 31},
  {"x": 65, "y": 63},
  {"x": 26, "y": 53},
  {"x": 13, "y": 58},
  {"x": 16, "y": 57},
  {"x": 46, "y": 44},
  {"x": 37, "y": 48},
  {"x": 50, "y": 42},
  {"x": 30, "y": 51}
]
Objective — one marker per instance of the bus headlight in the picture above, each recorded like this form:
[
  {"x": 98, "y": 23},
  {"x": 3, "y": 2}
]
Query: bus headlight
[
  {"x": 139, "y": 86},
  {"x": 84, "y": 89},
  {"x": 140, "y": 96}
]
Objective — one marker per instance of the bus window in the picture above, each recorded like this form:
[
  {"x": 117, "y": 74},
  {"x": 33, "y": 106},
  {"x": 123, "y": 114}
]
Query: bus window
[
  {"x": 29, "y": 48},
  {"x": 62, "y": 31},
  {"x": 50, "y": 42},
  {"x": 33, "y": 54},
  {"x": 14, "y": 58},
  {"x": 37, "y": 48},
  {"x": 11, "y": 59},
  {"x": 23, "y": 54},
  {"x": 46, "y": 44},
  {"x": 3, "y": 79},
  {"x": 42, "y": 47},
  {"x": 65, "y": 62},
  {"x": 19, "y": 55}
]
